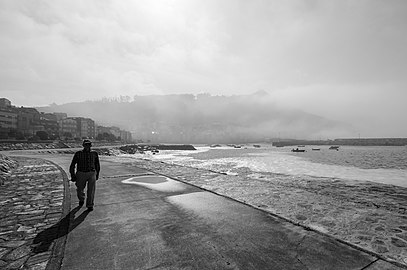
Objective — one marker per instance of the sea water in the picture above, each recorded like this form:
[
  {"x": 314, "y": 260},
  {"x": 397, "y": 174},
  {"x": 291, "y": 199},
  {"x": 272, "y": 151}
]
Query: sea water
[{"x": 384, "y": 164}]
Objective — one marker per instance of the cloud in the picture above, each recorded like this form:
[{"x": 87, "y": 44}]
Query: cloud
[
  {"x": 61, "y": 51},
  {"x": 371, "y": 109}
]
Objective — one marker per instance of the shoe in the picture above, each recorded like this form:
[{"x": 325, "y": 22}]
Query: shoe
[
  {"x": 90, "y": 209},
  {"x": 80, "y": 204}
]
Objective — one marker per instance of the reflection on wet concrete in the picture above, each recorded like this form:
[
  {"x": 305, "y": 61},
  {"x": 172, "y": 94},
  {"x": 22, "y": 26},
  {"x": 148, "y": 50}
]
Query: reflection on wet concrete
[
  {"x": 159, "y": 183},
  {"x": 209, "y": 206},
  {"x": 150, "y": 179},
  {"x": 266, "y": 241}
]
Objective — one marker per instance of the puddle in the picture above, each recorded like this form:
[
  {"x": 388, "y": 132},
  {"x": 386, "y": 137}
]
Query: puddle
[
  {"x": 150, "y": 179},
  {"x": 159, "y": 183}
]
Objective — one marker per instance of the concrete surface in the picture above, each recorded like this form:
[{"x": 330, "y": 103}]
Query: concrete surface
[{"x": 138, "y": 226}]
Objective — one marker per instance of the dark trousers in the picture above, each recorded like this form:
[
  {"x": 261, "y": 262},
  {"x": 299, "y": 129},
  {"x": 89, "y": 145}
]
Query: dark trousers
[{"x": 83, "y": 178}]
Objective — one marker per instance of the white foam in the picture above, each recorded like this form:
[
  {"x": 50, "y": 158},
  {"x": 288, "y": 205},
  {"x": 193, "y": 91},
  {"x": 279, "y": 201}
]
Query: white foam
[
  {"x": 278, "y": 161},
  {"x": 283, "y": 163}
]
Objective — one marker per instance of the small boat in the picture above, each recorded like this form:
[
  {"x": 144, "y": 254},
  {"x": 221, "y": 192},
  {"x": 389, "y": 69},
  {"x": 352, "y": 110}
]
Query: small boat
[
  {"x": 256, "y": 145},
  {"x": 334, "y": 148},
  {"x": 316, "y": 149},
  {"x": 297, "y": 150}
]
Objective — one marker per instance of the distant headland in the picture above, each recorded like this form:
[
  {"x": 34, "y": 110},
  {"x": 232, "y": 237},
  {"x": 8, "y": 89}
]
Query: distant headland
[{"x": 349, "y": 141}]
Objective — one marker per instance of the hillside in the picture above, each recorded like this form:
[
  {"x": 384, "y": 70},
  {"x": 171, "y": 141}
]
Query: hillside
[{"x": 204, "y": 118}]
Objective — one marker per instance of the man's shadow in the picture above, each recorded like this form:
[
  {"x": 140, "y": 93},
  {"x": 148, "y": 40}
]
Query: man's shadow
[{"x": 45, "y": 238}]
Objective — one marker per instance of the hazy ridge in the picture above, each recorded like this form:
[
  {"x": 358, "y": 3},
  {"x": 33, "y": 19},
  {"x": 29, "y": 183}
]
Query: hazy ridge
[{"x": 204, "y": 118}]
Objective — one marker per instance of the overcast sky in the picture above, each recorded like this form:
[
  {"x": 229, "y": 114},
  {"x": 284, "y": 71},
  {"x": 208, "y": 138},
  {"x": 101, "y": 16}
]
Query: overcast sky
[{"x": 345, "y": 60}]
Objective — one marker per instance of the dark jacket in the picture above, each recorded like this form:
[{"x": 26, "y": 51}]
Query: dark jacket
[{"x": 85, "y": 161}]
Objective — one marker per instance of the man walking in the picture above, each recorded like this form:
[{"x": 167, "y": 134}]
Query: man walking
[{"x": 87, "y": 172}]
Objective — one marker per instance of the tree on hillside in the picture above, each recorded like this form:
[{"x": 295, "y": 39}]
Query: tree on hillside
[
  {"x": 43, "y": 135},
  {"x": 68, "y": 135},
  {"x": 106, "y": 137},
  {"x": 14, "y": 133}
]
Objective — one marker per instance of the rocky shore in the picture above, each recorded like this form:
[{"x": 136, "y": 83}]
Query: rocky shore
[
  {"x": 127, "y": 148},
  {"x": 29, "y": 146}
]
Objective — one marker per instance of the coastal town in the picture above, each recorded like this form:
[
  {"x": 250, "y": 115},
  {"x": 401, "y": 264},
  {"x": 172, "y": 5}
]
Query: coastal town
[{"x": 26, "y": 124}]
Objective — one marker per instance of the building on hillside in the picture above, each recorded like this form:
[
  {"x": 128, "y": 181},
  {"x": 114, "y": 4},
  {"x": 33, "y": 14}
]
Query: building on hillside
[
  {"x": 118, "y": 133},
  {"x": 50, "y": 124},
  {"x": 102, "y": 129},
  {"x": 8, "y": 122},
  {"x": 60, "y": 115},
  {"x": 28, "y": 121},
  {"x": 68, "y": 128},
  {"x": 5, "y": 103},
  {"x": 125, "y": 136},
  {"x": 8, "y": 119},
  {"x": 115, "y": 131},
  {"x": 85, "y": 127},
  {"x": 49, "y": 116}
]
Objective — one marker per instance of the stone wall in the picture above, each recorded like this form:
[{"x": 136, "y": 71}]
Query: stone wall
[{"x": 6, "y": 165}]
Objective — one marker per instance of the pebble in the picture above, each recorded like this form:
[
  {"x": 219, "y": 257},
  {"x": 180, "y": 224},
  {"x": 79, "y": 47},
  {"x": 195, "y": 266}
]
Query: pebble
[{"x": 398, "y": 242}]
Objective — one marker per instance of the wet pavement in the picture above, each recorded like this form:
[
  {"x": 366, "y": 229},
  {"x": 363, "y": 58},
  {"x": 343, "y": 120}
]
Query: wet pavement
[
  {"x": 367, "y": 215},
  {"x": 145, "y": 221}
]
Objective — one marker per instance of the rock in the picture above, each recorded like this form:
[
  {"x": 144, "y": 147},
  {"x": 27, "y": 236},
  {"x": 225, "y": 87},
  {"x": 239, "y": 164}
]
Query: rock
[
  {"x": 396, "y": 231},
  {"x": 18, "y": 253},
  {"x": 364, "y": 238},
  {"x": 403, "y": 236},
  {"x": 39, "y": 266},
  {"x": 378, "y": 242},
  {"x": 6, "y": 165},
  {"x": 2, "y": 264},
  {"x": 39, "y": 259},
  {"x": 381, "y": 249},
  {"x": 301, "y": 217},
  {"x": 12, "y": 244},
  {"x": 398, "y": 242},
  {"x": 17, "y": 264},
  {"x": 3, "y": 252}
]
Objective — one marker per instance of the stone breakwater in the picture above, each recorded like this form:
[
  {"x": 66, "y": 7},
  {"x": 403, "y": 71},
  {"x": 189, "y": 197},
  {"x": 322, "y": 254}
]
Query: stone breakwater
[
  {"x": 31, "y": 146},
  {"x": 31, "y": 202},
  {"x": 366, "y": 215}
]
